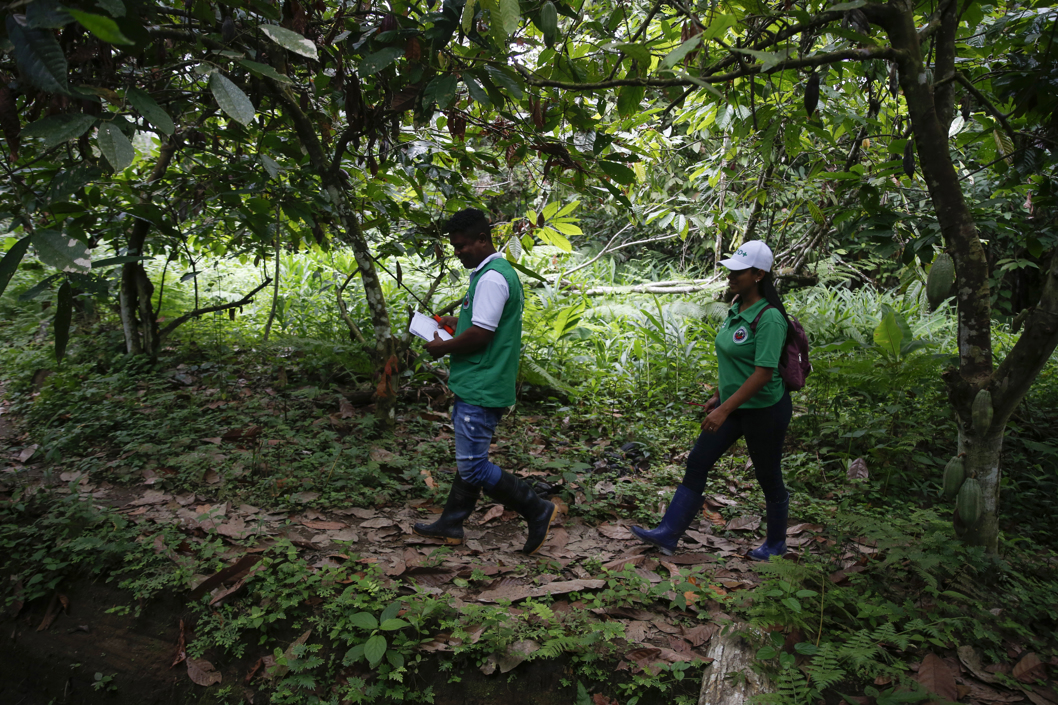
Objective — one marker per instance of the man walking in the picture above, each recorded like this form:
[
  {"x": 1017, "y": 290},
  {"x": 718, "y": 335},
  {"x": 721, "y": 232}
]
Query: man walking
[{"x": 483, "y": 369}]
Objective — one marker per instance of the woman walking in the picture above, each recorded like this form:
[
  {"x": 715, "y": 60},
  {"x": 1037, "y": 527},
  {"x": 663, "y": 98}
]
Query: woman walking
[{"x": 751, "y": 402}]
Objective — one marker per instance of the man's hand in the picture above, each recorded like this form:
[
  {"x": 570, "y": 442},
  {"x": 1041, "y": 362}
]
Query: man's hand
[
  {"x": 436, "y": 347},
  {"x": 449, "y": 322}
]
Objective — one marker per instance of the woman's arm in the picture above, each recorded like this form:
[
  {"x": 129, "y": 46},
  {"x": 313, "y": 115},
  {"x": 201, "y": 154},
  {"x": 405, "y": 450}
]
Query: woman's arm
[{"x": 753, "y": 384}]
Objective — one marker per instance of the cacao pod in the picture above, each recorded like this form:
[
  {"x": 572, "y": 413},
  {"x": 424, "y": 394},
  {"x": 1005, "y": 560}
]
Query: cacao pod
[
  {"x": 981, "y": 411},
  {"x": 549, "y": 22},
  {"x": 812, "y": 94},
  {"x": 940, "y": 280},
  {"x": 389, "y": 23},
  {"x": 909, "y": 159},
  {"x": 954, "y": 475},
  {"x": 970, "y": 502},
  {"x": 227, "y": 30}
]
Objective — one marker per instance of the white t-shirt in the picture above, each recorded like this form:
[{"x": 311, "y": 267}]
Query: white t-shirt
[{"x": 490, "y": 296}]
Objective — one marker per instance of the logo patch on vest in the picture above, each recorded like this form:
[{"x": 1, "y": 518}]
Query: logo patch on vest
[
  {"x": 466, "y": 301},
  {"x": 740, "y": 336}
]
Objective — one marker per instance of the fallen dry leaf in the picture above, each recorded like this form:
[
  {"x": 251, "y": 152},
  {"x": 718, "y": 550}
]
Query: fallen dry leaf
[
  {"x": 747, "y": 522},
  {"x": 700, "y": 634},
  {"x": 520, "y": 592},
  {"x": 281, "y": 670},
  {"x": 971, "y": 659},
  {"x": 1029, "y": 668},
  {"x": 51, "y": 613},
  {"x": 494, "y": 512},
  {"x": 379, "y": 523},
  {"x": 234, "y": 529},
  {"x": 27, "y": 453},
  {"x": 615, "y": 531},
  {"x": 233, "y": 572},
  {"x": 516, "y": 653},
  {"x": 324, "y": 525},
  {"x": 201, "y": 672},
  {"x": 560, "y": 505},
  {"x": 857, "y": 470},
  {"x": 935, "y": 676}
]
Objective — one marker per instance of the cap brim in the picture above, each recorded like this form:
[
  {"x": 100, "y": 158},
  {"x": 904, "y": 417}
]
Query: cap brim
[{"x": 734, "y": 264}]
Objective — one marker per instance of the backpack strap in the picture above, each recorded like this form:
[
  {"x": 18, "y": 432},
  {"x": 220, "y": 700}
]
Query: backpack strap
[{"x": 753, "y": 325}]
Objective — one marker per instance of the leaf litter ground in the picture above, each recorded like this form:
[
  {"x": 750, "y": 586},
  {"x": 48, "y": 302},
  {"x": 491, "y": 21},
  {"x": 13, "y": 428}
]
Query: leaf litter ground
[{"x": 187, "y": 494}]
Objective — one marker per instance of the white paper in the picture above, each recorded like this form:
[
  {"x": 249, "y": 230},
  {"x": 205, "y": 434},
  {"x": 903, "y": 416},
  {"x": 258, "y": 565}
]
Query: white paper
[{"x": 425, "y": 326}]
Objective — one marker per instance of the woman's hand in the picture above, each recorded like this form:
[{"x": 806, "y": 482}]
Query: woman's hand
[
  {"x": 715, "y": 419},
  {"x": 714, "y": 401}
]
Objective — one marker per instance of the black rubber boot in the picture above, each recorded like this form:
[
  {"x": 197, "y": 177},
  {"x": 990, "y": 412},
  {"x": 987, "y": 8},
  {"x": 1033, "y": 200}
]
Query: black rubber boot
[
  {"x": 516, "y": 494},
  {"x": 775, "y": 543},
  {"x": 459, "y": 505}
]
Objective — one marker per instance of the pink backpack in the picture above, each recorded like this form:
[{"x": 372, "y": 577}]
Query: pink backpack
[{"x": 794, "y": 365}]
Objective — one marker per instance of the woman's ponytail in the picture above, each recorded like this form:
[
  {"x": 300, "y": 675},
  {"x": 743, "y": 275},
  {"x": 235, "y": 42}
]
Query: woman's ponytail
[{"x": 767, "y": 290}]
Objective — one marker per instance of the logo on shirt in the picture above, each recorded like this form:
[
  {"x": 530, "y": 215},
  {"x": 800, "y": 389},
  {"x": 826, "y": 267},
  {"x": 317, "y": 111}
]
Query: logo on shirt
[
  {"x": 740, "y": 336},
  {"x": 466, "y": 301}
]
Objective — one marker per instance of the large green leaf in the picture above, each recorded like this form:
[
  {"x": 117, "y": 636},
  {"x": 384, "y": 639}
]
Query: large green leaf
[
  {"x": 116, "y": 8},
  {"x": 63, "y": 316},
  {"x": 888, "y": 335},
  {"x": 231, "y": 99},
  {"x": 441, "y": 90},
  {"x": 265, "y": 70},
  {"x": 290, "y": 40},
  {"x": 476, "y": 91},
  {"x": 373, "y": 63},
  {"x": 39, "y": 55},
  {"x": 148, "y": 108},
  {"x": 61, "y": 251},
  {"x": 56, "y": 129},
  {"x": 47, "y": 14},
  {"x": 504, "y": 79},
  {"x": 510, "y": 16},
  {"x": 677, "y": 55},
  {"x": 629, "y": 100},
  {"x": 364, "y": 620},
  {"x": 636, "y": 51},
  {"x": 9, "y": 264},
  {"x": 375, "y": 649},
  {"x": 718, "y": 26},
  {"x": 115, "y": 146},
  {"x": 103, "y": 27},
  {"x": 467, "y": 20},
  {"x": 618, "y": 172}
]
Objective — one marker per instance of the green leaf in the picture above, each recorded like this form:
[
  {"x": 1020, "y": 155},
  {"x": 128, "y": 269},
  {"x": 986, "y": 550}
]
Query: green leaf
[
  {"x": 364, "y": 620},
  {"x": 767, "y": 652},
  {"x": 37, "y": 289},
  {"x": 629, "y": 99},
  {"x": 846, "y": 6},
  {"x": 528, "y": 272},
  {"x": 567, "y": 209},
  {"x": 553, "y": 237},
  {"x": 768, "y": 58},
  {"x": 390, "y": 612},
  {"x": 116, "y": 8},
  {"x": 56, "y": 129},
  {"x": 231, "y": 99},
  {"x": 717, "y": 27},
  {"x": 566, "y": 228},
  {"x": 63, "y": 315},
  {"x": 9, "y": 264},
  {"x": 373, "y": 63},
  {"x": 353, "y": 655},
  {"x": 111, "y": 261},
  {"x": 39, "y": 55},
  {"x": 271, "y": 166},
  {"x": 103, "y": 27},
  {"x": 392, "y": 625},
  {"x": 467, "y": 21},
  {"x": 395, "y": 659},
  {"x": 375, "y": 649},
  {"x": 148, "y": 108},
  {"x": 290, "y": 40},
  {"x": 115, "y": 146},
  {"x": 637, "y": 51},
  {"x": 441, "y": 90},
  {"x": 61, "y": 251},
  {"x": 506, "y": 80},
  {"x": 888, "y": 335},
  {"x": 792, "y": 603},
  {"x": 618, "y": 172},
  {"x": 510, "y": 16},
  {"x": 477, "y": 92},
  {"x": 264, "y": 70},
  {"x": 677, "y": 55},
  {"x": 47, "y": 15}
]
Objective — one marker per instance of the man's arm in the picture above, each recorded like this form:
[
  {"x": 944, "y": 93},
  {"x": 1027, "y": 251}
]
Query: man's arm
[{"x": 469, "y": 341}]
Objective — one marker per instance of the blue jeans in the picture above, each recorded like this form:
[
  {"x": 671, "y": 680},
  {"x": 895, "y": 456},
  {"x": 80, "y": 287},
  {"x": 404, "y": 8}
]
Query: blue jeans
[
  {"x": 765, "y": 432},
  {"x": 474, "y": 426}
]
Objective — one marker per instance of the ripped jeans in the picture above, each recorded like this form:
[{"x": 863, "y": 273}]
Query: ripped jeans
[{"x": 474, "y": 426}]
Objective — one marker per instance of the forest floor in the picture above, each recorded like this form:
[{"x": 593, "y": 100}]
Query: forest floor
[{"x": 243, "y": 564}]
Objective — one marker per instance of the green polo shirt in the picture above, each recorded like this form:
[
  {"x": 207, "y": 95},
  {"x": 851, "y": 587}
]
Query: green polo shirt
[{"x": 739, "y": 350}]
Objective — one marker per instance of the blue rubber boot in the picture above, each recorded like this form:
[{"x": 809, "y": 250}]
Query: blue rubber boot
[
  {"x": 681, "y": 512},
  {"x": 775, "y": 544}
]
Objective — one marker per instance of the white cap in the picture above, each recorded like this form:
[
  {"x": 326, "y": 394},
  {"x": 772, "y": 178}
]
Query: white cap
[{"x": 751, "y": 254}]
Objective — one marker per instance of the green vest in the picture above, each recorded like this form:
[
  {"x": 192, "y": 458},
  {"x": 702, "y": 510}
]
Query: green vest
[{"x": 487, "y": 377}]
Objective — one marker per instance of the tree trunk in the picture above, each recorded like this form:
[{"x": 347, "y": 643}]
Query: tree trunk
[
  {"x": 981, "y": 461},
  {"x": 138, "y": 321},
  {"x": 387, "y": 348}
]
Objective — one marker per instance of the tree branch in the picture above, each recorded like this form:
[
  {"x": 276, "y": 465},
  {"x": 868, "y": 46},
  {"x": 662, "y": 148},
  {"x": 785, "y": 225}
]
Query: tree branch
[
  {"x": 176, "y": 323},
  {"x": 354, "y": 330}
]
